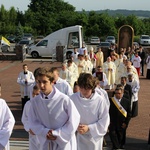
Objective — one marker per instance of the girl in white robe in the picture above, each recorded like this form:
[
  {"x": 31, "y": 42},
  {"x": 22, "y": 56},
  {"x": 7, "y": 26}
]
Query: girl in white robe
[
  {"x": 7, "y": 122},
  {"x": 94, "y": 114}
]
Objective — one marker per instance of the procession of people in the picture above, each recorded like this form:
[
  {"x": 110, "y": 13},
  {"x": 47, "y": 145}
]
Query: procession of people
[{"x": 69, "y": 108}]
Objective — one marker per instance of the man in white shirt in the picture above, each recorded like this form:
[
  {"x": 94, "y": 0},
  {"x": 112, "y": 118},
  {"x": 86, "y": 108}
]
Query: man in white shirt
[
  {"x": 74, "y": 55},
  {"x": 83, "y": 50},
  {"x": 136, "y": 60}
]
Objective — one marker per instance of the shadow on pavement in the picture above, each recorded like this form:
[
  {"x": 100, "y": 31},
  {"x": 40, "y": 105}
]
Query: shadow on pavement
[{"x": 131, "y": 144}]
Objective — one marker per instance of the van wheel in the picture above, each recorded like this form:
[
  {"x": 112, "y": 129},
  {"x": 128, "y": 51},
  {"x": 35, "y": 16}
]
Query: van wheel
[{"x": 35, "y": 55}]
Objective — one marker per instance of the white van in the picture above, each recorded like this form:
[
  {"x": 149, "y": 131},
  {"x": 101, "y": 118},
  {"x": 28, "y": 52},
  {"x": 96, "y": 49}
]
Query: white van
[{"x": 68, "y": 37}]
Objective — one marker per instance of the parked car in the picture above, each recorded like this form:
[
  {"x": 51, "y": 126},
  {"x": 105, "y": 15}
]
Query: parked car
[
  {"x": 11, "y": 39},
  {"x": 110, "y": 39},
  {"x": 95, "y": 40},
  {"x": 25, "y": 44},
  {"x": 144, "y": 40},
  {"x": 27, "y": 36},
  {"x": 38, "y": 38},
  {"x": 104, "y": 45}
]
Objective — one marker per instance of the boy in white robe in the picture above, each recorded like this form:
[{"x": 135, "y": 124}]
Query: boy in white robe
[
  {"x": 7, "y": 122},
  {"x": 53, "y": 116},
  {"x": 26, "y": 81},
  {"x": 33, "y": 139},
  {"x": 62, "y": 85},
  {"x": 94, "y": 114}
]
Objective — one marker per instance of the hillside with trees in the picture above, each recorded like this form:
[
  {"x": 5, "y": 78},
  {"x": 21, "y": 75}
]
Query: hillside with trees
[
  {"x": 47, "y": 16},
  {"x": 124, "y": 12}
]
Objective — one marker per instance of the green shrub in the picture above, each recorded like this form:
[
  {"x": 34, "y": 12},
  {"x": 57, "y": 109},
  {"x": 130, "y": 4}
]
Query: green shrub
[{"x": 136, "y": 38}]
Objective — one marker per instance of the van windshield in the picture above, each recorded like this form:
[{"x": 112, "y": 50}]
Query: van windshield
[
  {"x": 73, "y": 40},
  {"x": 43, "y": 43}
]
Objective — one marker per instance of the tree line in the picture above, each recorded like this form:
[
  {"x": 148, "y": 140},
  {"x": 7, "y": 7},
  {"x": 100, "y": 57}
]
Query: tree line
[{"x": 47, "y": 16}]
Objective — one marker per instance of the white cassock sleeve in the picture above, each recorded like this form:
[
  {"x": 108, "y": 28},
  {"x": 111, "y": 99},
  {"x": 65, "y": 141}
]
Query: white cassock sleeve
[
  {"x": 31, "y": 78},
  {"x": 105, "y": 79},
  {"x": 7, "y": 122},
  {"x": 99, "y": 128},
  {"x": 20, "y": 80},
  {"x": 25, "y": 115}
]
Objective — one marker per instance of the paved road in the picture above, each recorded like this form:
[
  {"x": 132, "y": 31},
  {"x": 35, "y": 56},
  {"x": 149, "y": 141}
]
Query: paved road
[{"x": 137, "y": 133}]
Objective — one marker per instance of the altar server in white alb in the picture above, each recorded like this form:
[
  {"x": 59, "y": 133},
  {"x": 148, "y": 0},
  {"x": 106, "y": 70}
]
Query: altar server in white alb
[
  {"x": 33, "y": 139},
  {"x": 94, "y": 114},
  {"x": 7, "y": 122},
  {"x": 62, "y": 85},
  {"x": 135, "y": 85},
  {"x": 26, "y": 80},
  {"x": 53, "y": 116}
]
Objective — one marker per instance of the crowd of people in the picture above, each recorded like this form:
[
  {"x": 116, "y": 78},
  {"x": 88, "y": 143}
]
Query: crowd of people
[{"x": 69, "y": 108}]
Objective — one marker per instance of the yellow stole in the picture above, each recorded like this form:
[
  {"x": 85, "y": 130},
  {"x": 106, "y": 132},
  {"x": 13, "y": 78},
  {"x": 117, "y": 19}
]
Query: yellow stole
[{"x": 119, "y": 107}]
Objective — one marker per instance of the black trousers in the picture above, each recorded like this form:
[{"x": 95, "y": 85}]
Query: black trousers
[
  {"x": 24, "y": 100},
  {"x": 135, "y": 109},
  {"x": 142, "y": 68},
  {"x": 117, "y": 137}
]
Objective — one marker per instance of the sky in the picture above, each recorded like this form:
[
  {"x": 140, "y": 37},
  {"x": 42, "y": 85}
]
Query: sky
[{"x": 87, "y": 5}]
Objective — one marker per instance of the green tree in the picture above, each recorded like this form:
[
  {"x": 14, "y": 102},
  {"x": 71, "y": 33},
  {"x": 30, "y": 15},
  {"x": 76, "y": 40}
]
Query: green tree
[
  {"x": 133, "y": 21},
  {"x": 120, "y": 20},
  {"x": 19, "y": 32},
  {"x": 12, "y": 13},
  {"x": 146, "y": 26},
  {"x": 3, "y": 20},
  {"x": 107, "y": 25},
  {"x": 45, "y": 14}
]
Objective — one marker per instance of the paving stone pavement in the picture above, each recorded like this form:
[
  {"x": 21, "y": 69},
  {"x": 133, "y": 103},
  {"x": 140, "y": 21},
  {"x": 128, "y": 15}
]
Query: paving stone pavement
[{"x": 137, "y": 132}]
